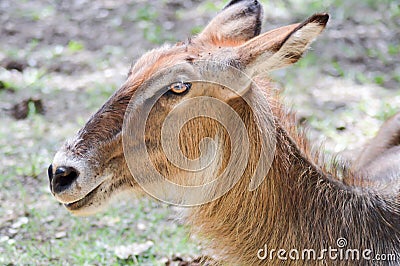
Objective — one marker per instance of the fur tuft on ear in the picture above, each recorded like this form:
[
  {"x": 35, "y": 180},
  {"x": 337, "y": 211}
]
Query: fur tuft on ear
[
  {"x": 300, "y": 38},
  {"x": 280, "y": 47},
  {"x": 237, "y": 23}
]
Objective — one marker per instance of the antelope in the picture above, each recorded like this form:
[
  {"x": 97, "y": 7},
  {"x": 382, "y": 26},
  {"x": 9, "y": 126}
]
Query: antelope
[{"x": 302, "y": 202}]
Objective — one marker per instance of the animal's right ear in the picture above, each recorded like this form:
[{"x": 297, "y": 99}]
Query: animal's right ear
[{"x": 237, "y": 23}]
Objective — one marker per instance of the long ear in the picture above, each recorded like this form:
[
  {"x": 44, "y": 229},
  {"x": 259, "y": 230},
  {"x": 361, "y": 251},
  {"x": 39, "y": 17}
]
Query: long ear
[
  {"x": 280, "y": 47},
  {"x": 238, "y": 22}
]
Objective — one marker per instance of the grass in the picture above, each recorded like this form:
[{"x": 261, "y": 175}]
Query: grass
[
  {"x": 75, "y": 46},
  {"x": 49, "y": 237}
]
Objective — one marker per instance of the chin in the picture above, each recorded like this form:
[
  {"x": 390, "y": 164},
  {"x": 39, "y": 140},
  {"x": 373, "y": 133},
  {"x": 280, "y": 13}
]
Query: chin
[{"x": 98, "y": 199}]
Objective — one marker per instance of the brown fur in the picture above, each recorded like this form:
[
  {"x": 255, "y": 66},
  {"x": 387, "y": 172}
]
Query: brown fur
[
  {"x": 301, "y": 203},
  {"x": 387, "y": 137}
]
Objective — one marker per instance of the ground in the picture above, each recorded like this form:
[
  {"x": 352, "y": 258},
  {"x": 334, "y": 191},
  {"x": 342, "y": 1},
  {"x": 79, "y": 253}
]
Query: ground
[{"x": 61, "y": 60}]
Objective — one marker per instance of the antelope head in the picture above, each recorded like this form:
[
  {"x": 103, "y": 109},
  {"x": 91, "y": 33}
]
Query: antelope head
[{"x": 91, "y": 167}]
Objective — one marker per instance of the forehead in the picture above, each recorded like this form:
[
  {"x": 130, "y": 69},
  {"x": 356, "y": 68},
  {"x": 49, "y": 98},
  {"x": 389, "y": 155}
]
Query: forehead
[
  {"x": 158, "y": 59},
  {"x": 174, "y": 60}
]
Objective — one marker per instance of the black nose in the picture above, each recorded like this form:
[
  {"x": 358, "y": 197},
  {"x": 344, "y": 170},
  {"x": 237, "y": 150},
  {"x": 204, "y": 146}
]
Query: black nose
[
  {"x": 50, "y": 173},
  {"x": 63, "y": 177}
]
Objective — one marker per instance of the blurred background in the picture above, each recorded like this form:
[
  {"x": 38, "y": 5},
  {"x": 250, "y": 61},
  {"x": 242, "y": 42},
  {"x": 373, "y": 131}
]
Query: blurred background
[{"x": 61, "y": 59}]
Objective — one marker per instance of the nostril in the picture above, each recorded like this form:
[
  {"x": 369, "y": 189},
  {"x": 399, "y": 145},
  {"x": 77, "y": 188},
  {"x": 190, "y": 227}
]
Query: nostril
[
  {"x": 63, "y": 177},
  {"x": 62, "y": 171}
]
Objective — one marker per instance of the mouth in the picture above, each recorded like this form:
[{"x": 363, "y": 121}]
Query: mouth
[{"x": 86, "y": 200}]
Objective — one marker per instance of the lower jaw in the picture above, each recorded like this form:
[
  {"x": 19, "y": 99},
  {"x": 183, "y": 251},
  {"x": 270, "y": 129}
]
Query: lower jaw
[{"x": 84, "y": 202}]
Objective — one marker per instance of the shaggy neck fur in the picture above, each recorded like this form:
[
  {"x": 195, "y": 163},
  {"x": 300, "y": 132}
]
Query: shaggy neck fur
[{"x": 300, "y": 205}]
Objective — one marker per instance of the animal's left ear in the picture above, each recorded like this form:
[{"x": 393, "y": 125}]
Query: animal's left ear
[
  {"x": 280, "y": 47},
  {"x": 237, "y": 23}
]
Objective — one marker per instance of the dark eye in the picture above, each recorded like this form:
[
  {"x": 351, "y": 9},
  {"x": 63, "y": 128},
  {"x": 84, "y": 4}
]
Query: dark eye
[{"x": 180, "y": 87}]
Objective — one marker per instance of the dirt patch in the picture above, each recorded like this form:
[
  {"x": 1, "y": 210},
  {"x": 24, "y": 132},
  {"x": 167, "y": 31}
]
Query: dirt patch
[
  {"x": 11, "y": 64},
  {"x": 21, "y": 110}
]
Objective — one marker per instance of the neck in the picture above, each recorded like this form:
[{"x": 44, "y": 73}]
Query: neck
[{"x": 299, "y": 205}]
